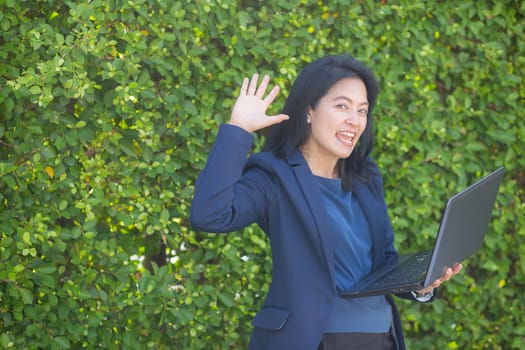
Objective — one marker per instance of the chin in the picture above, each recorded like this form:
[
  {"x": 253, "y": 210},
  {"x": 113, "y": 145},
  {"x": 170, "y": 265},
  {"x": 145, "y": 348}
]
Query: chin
[{"x": 346, "y": 154}]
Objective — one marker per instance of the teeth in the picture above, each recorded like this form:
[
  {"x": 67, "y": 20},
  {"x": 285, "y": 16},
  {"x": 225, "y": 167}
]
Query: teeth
[{"x": 347, "y": 137}]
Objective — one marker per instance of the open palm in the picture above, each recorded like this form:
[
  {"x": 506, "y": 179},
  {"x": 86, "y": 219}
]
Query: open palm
[{"x": 249, "y": 111}]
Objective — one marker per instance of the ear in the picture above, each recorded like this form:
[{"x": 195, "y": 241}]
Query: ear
[{"x": 309, "y": 113}]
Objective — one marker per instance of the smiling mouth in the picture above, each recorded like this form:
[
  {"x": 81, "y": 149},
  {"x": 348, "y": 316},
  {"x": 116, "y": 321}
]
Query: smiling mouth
[{"x": 346, "y": 137}]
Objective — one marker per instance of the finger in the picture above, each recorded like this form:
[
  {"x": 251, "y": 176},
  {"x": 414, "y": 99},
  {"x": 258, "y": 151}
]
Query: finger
[
  {"x": 426, "y": 290},
  {"x": 244, "y": 87},
  {"x": 253, "y": 84},
  {"x": 276, "y": 119},
  {"x": 448, "y": 274},
  {"x": 437, "y": 282},
  {"x": 272, "y": 95},
  {"x": 262, "y": 88},
  {"x": 434, "y": 285}
]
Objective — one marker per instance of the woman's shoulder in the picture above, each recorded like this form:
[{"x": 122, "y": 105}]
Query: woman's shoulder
[
  {"x": 265, "y": 160},
  {"x": 370, "y": 167},
  {"x": 371, "y": 175}
]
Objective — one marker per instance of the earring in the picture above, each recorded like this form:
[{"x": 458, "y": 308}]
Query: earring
[{"x": 308, "y": 121}]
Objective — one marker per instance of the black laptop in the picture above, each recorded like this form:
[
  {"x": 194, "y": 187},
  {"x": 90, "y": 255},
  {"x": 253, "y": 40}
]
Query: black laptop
[{"x": 464, "y": 222}]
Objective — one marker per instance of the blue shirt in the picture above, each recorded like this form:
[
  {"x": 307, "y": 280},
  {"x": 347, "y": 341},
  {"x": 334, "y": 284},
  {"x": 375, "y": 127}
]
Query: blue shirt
[{"x": 353, "y": 261}]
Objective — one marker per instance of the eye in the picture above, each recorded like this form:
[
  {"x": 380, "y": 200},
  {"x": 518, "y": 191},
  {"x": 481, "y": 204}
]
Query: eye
[
  {"x": 363, "y": 112},
  {"x": 342, "y": 106}
]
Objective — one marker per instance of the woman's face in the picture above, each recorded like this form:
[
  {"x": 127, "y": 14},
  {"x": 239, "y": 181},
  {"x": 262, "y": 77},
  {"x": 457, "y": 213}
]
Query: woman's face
[{"x": 337, "y": 122}]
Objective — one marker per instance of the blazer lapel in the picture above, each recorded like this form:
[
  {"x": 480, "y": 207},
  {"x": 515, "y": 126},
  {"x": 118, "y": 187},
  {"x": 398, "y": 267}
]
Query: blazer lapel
[
  {"x": 312, "y": 193},
  {"x": 372, "y": 211}
]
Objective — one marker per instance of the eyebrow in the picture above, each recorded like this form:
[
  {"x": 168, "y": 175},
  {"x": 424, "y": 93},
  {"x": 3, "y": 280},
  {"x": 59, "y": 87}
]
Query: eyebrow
[{"x": 365, "y": 103}]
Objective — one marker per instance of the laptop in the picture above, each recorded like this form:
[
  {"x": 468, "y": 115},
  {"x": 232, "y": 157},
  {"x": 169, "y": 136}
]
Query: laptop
[{"x": 461, "y": 232}]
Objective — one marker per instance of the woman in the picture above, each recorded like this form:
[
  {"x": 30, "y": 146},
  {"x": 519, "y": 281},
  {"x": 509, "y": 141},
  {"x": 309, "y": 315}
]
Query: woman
[{"x": 318, "y": 196}]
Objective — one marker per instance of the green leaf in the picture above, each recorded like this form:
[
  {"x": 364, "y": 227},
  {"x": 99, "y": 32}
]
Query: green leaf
[
  {"x": 47, "y": 269},
  {"x": 26, "y": 295},
  {"x": 62, "y": 205},
  {"x": 182, "y": 315},
  {"x": 9, "y": 181},
  {"x": 5, "y": 341},
  {"x": 226, "y": 299},
  {"x": 164, "y": 215},
  {"x": 62, "y": 342},
  {"x": 503, "y": 136}
]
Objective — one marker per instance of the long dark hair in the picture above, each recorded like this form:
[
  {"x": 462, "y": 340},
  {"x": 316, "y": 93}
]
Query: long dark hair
[{"x": 311, "y": 85}]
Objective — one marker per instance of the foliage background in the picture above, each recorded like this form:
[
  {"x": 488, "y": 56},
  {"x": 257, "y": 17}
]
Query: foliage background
[{"x": 108, "y": 109}]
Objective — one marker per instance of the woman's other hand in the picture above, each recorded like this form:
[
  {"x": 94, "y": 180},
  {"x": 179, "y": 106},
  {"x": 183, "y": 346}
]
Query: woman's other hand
[
  {"x": 249, "y": 111},
  {"x": 449, "y": 272}
]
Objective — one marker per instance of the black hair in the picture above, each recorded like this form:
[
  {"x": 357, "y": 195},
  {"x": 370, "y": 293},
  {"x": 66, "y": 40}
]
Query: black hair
[{"x": 311, "y": 85}]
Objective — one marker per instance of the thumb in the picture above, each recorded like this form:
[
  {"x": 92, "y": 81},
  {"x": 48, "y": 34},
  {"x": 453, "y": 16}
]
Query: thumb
[{"x": 276, "y": 119}]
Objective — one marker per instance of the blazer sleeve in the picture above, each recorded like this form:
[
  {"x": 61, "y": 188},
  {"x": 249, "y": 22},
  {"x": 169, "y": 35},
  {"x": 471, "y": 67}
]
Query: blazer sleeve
[{"x": 226, "y": 198}]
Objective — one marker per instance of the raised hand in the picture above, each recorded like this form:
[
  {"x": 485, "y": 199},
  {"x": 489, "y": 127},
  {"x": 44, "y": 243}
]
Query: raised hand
[{"x": 249, "y": 111}]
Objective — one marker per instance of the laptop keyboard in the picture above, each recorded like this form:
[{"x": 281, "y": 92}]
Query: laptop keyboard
[{"x": 409, "y": 271}]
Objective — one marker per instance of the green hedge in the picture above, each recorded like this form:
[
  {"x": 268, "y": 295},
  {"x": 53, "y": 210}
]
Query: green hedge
[{"x": 108, "y": 109}]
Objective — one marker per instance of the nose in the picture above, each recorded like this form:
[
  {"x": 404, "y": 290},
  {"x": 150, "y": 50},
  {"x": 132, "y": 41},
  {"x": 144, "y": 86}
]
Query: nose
[{"x": 351, "y": 117}]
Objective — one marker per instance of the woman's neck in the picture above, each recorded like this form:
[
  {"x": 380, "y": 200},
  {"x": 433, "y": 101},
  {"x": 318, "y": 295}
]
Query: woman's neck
[{"x": 321, "y": 167}]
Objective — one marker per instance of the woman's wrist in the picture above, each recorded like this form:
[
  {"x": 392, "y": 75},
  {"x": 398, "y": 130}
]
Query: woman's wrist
[{"x": 423, "y": 296}]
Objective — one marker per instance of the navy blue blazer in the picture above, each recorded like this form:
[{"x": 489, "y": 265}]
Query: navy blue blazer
[{"x": 283, "y": 198}]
